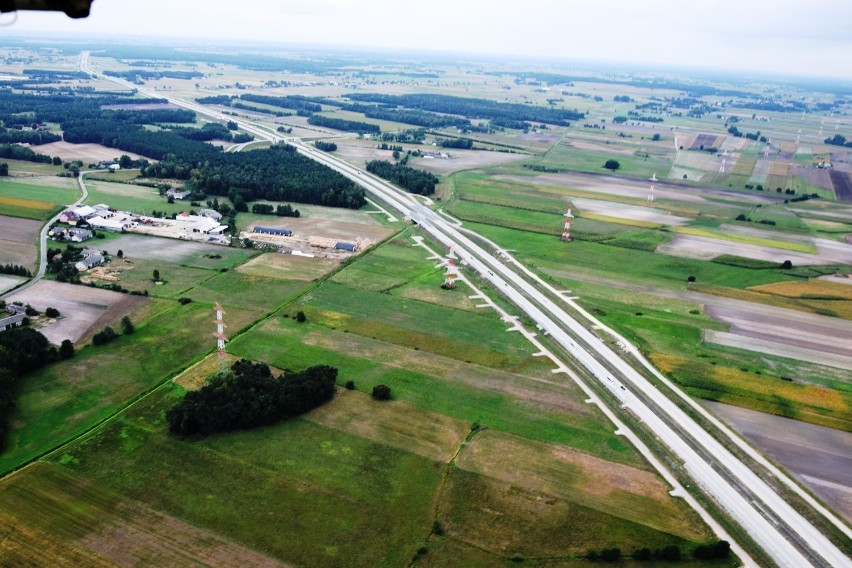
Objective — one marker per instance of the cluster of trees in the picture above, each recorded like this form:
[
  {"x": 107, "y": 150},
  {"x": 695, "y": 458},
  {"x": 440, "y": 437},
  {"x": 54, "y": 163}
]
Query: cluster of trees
[
  {"x": 325, "y": 146},
  {"x": 838, "y": 140},
  {"x": 622, "y": 99},
  {"x": 413, "y": 180},
  {"x": 210, "y": 131},
  {"x": 22, "y": 349},
  {"x": 460, "y": 143},
  {"x": 474, "y": 108},
  {"x": 278, "y": 173},
  {"x": 35, "y": 137},
  {"x": 108, "y": 334},
  {"x": 291, "y": 102},
  {"x": 215, "y": 100},
  {"x": 285, "y": 210},
  {"x": 248, "y": 396},
  {"x": 413, "y": 136},
  {"x": 642, "y": 117},
  {"x": 137, "y": 75},
  {"x": 15, "y": 270},
  {"x": 16, "y": 152},
  {"x": 416, "y": 117},
  {"x": 343, "y": 124}
]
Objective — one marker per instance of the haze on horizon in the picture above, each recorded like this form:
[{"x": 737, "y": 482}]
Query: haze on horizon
[{"x": 784, "y": 37}]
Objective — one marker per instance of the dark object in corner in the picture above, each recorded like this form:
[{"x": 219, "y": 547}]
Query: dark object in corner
[{"x": 72, "y": 8}]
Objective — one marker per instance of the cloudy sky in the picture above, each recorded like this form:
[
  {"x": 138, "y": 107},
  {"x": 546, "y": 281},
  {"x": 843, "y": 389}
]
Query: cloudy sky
[{"x": 774, "y": 36}]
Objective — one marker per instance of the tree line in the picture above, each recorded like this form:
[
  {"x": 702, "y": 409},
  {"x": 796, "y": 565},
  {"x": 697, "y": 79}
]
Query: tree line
[
  {"x": 15, "y": 270},
  {"x": 22, "y": 350},
  {"x": 278, "y": 173},
  {"x": 343, "y": 124},
  {"x": 248, "y": 396},
  {"x": 411, "y": 179},
  {"x": 474, "y": 108}
]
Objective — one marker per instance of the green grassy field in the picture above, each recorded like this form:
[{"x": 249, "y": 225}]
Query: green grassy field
[
  {"x": 34, "y": 201},
  {"x": 646, "y": 267},
  {"x": 66, "y": 398},
  {"x": 135, "y": 198}
]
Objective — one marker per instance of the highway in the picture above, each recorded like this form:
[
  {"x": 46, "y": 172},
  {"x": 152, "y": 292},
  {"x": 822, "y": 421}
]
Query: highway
[{"x": 784, "y": 534}]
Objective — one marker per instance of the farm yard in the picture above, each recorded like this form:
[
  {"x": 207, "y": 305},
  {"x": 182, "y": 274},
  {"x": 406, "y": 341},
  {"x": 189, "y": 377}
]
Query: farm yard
[{"x": 84, "y": 310}]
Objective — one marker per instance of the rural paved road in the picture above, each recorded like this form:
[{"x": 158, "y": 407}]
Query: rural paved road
[
  {"x": 781, "y": 531},
  {"x": 42, "y": 259}
]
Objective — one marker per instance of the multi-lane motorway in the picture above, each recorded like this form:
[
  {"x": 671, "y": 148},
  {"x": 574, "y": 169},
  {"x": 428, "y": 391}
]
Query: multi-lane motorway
[{"x": 784, "y": 534}]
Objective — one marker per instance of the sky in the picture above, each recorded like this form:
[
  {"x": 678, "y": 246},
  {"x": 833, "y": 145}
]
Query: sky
[{"x": 791, "y": 37}]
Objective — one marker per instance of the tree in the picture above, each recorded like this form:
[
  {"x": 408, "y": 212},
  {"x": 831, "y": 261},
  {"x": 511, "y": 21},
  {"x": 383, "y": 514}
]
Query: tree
[
  {"x": 690, "y": 278},
  {"x": 156, "y": 275},
  {"x": 787, "y": 265},
  {"x": 51, "y": 312},
  {"x": 612, "y": 165},
  {"x": 125, "y": 161},
  {"x": 381, "y": 392},
  {"x": 232, "y": 125},
  {"x": 301, "y": 317},
  {"x": 120, "y": 253},
  {"x": 66, "y": 350},
  {"x": 127, "y": 326},
  {"x": 4, "y": 169},
  {"x": 57, "y": 161}
]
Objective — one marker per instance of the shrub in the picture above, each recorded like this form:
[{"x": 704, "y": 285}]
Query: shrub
[
  {"x": 381, "y": 392},
  {"x": 66, "y": 350},
  {"x": 127, "y": 326},
  {"x": 184, "y": 301},
  {"x": 350, "y": 385},
  {"x": 105, "y": 336},
  {"x": 787, "y": 265},
  {"x": 612, "y": 165},
  {"x": 52, "y": 313},
  {"x": 301, "y": 317},
  {"x": 690, "y": 278}
]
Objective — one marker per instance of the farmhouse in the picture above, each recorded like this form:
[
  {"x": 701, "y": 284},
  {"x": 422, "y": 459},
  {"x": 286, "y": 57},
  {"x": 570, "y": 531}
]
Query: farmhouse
[
  {"x": 77, "y": 214},
  {"x": 272, "y": 231},
  {"x": 90, "y": 259},
  {"x": 11, "y": 321},
  {"x": 78, "y": 235}
]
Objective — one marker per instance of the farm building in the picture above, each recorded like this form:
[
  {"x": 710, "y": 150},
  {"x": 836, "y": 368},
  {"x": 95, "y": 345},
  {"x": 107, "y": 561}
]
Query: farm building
[
  {"x": 345, "y": 246},
  {"x": 177, "y": 194},
  {"x": 113, "y": 225},
  {"x": 210, "y": 214},
  {"x": 90, "y": 259},
  {"x": 280, "y": 232},
  {"x": 78, "y": 235},
  {"x": 11, "y": 321},
  {"x": 196, "y": 223},
  {"x": 77, "y": 214}
]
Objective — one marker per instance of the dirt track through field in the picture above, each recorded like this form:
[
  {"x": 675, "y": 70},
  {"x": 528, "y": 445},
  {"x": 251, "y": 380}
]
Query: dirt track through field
[{"x": 820, "y": 457}]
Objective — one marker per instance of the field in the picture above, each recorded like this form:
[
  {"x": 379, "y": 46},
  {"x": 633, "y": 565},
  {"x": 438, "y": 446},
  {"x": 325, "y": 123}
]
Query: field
[
  {"x": 18, "y": 239},
  {"x": 39, "y": 200},
  {"x": 63, "y": 400},
  {"x": 819, "y": 457},
  {"x": 88, "y": 153},
  {"x": 484, "y": 456},
  {"x": 84, "y": 310}
]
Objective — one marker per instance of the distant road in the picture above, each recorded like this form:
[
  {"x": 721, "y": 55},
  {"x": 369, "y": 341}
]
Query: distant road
[
  {"x": 782, "y": 532},
  {"x": 42, "y": 257}
]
